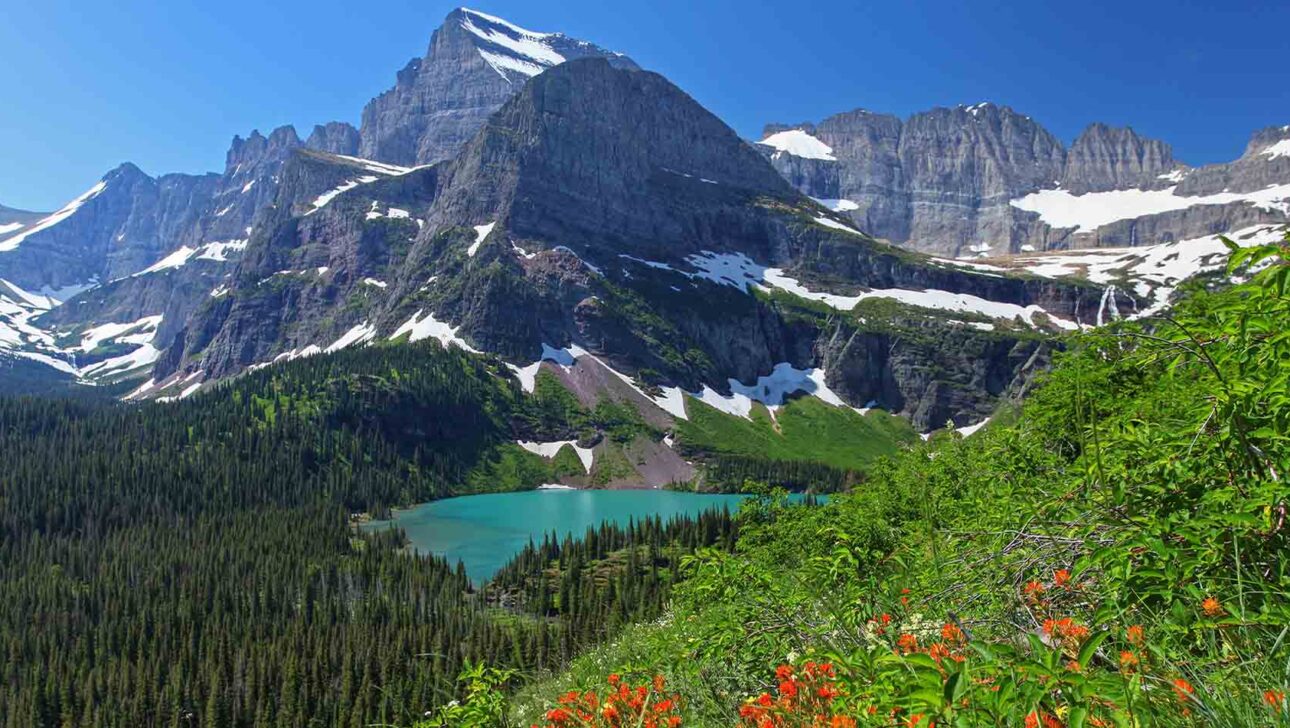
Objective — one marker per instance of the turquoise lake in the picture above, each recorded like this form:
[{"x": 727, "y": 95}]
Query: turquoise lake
[{"x": 485, "y": 531}]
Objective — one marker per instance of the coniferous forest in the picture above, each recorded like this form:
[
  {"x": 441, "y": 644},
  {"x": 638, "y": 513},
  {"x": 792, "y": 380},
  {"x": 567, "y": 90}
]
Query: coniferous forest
[{"x": 199, "y": 564}]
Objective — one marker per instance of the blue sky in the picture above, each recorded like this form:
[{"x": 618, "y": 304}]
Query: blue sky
[{"x": 85, "y": 86}]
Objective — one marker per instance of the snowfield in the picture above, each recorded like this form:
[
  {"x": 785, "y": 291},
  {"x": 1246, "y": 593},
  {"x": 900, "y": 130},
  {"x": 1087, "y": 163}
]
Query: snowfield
[
  {"x": 799, "y": 144},
  {"x": 1061, "y": 209}
]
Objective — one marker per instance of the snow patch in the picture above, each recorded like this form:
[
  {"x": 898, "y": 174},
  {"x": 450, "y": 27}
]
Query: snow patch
[
  {"x": 549, "y": 450},
  {"x": 831, "y": 223},
  {"x": 218, "y": 251},
  {"x": 800, "y": 144},
  {"x": 481, "y": 232},
  {"x": 838, "y": 205},
  {"x": 370, "y": 165},
  {"x": 360, "y": 334},
  {"x": 330, "y": 195},
  {"x": 1280, "y": 149},
  {"x": 419, "y": 328},
  {"x": 1061, "y": 209}
]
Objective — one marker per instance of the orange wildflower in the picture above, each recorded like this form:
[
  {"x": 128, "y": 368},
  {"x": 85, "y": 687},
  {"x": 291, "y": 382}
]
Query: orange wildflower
[
  {"x": 1062, "y": 577},
  {"x": 1211, "y": 607},
  {"x": 1275, "y": 699},
  {"x": 907, "y": 642},
  {"x": 951, "y": 633},
  {"x": 1135, "y": 634},
  {"x": 1183, "y": 689},
  {"x": 1128, "y": 660}
]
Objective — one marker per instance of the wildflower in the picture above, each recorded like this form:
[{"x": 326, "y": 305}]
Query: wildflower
[
  {"x": 765, "y": 700},
  {"x": 1032, "y": 588},
  {"x": 827, "y": 692},
  {"x": 558, "y": 715},
  {"x": 1051, "y": 721},
  {"x": 1135, "y": 634},
  {"x": 1183, "y": 690},
  {"x": 614, "y": 678},
  {"x": 1211, "y": 607},
  {"x": 914, "y": 720},
  {"x": 938, "y": 651},
  {"x": 1062, "y": 578},
  {"x": 788, "y": 689},
  {"x": 783, "y": 672},
  {"x": 907, "y": 642},
  {"x": 1128, "y": 660},
  {"x": 1275, "y": 699},
  {"x": 1032, "y": 720},
  {"x": 951, "y": 633},
  {"x": 841, "y": 721}
]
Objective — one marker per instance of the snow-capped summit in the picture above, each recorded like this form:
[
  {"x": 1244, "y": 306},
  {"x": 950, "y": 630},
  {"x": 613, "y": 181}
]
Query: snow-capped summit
[{"x": 475, "y": 63}]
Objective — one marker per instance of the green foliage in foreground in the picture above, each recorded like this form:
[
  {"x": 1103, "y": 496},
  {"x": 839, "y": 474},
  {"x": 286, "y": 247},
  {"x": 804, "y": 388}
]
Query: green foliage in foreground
[{"x": 1116, "y": 555}]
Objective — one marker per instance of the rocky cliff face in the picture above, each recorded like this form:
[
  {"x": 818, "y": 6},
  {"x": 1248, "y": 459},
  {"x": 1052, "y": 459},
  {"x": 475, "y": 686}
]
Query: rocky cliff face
[
  {"x": 475, "y": 62},
  {"x": 335, "y": 137},
  {"x": 1105, "y": 158},
  {"x": 984, "y": 180}
]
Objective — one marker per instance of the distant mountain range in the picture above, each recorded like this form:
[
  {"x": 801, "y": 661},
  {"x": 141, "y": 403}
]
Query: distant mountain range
[
  {"x": 545, "y": 201},
  {"x": 984, "y": 180}
]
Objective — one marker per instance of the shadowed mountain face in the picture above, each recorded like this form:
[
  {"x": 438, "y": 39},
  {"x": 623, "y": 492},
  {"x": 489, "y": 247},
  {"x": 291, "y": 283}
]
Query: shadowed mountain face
[
  {"x": 474, "y": 64},
  {"x": 985, "y": 180}
]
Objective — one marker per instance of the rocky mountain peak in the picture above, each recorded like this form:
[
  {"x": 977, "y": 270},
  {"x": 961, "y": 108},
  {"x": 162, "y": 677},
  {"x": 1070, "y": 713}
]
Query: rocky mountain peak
[
  {"x": 475, "y": 62},
  {"x": 1107, "y": 158},
  {"x": 257, "y": 149},
  {"x": 599, "y": 148},
  {"x": 334, "y": 137},
  {"x": 1270, "y": 143}
]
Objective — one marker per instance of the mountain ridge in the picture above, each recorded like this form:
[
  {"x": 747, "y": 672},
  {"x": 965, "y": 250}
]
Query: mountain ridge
[{"x": 981, "y": 180}]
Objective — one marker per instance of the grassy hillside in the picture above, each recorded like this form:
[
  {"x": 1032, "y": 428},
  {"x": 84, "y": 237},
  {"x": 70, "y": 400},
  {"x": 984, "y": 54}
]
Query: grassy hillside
[
  {"x": 1113, "y": 556},
  {"x": 804, "y": 429}
]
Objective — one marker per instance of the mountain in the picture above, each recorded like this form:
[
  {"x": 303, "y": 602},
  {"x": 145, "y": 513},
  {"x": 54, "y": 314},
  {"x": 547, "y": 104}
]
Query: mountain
[
  {"x": 982, "y": 180},
  {"x": 149, "y": 248},
  {"x": 605, "y": 228},
  {"x": 546, "y": 202},
  {"x": 475, "y": 62}
]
